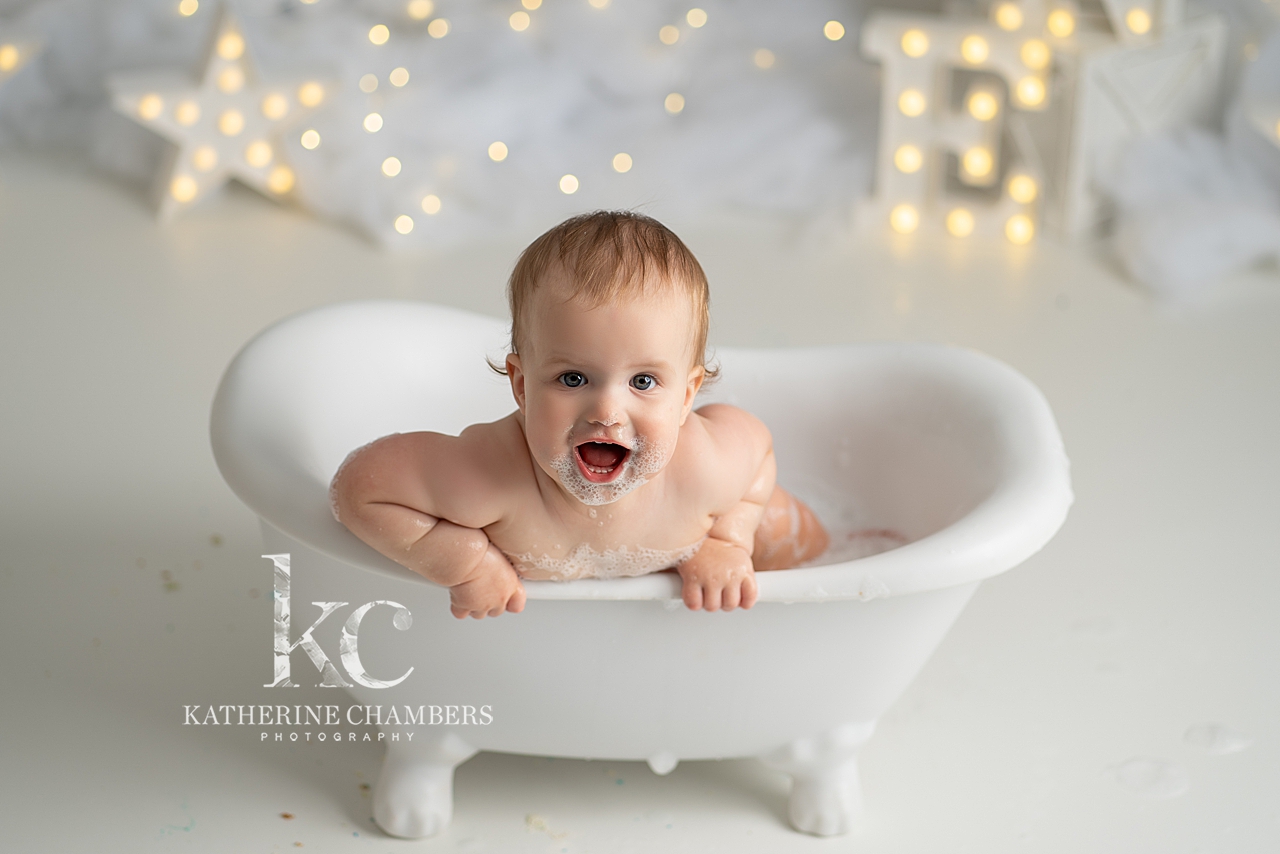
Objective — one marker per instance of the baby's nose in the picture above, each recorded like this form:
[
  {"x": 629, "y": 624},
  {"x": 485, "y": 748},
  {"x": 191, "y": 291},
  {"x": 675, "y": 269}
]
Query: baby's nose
[{"x": 605, "y": 411}]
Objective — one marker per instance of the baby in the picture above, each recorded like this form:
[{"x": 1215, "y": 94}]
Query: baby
[{"x": 605, "y": 469}]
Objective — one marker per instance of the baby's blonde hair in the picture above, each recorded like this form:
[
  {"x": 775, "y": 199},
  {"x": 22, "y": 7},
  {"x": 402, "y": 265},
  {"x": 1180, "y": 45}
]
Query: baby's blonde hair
[{"x": 608, "y": 256}]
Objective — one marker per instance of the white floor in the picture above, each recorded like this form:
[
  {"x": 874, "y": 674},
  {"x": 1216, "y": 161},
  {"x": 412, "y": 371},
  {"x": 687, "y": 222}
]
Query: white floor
[{"x": 130, "y": 582}]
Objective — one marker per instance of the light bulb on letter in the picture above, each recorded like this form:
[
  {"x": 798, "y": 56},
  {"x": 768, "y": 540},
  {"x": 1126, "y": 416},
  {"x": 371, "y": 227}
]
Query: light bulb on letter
[{"x": 904, "y": 219}]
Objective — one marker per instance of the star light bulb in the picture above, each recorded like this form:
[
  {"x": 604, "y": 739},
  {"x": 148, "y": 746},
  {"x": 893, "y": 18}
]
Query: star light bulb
[
  {"x": 622, "y": 162},
  {"x": 696, "y": 18},
  {"x": 186, "y": 113},
  {"x": 258, "y": 153},
  {"x": 204, "y": 158},
  {"x": 404, "y": 224},
  {"x": 183, "y": 188},
  {"x": 231, "y": 45},
  {"x": 150, "y": 106},
  {"x": 569, "y": 184},
  {"x": 231, "y": 79},
  {"x": 833, "y": 30},
  {"x": 275, "y": 106},
  {"x": 431, "y": 204},
  {"x": 280, "y": 180},
  {"x": 497, "y": 151},
  {"x": 310, "y": 94},
  {"x": 231, "y": 122}
]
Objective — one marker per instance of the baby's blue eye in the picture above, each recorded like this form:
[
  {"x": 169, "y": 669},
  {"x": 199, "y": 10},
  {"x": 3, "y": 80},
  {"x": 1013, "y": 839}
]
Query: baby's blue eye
[
  {"x": 573, "y": 379},
  {"x": 643, "y": 382}
]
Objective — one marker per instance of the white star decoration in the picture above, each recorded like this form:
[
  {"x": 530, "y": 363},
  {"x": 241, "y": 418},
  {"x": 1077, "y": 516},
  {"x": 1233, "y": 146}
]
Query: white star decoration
[{"x": 227, "y": 127}]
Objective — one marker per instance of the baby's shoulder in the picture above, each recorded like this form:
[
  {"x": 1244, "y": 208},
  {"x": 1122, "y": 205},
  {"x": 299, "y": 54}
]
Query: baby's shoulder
[
  {"x": 461, "y": 478},
  {"x": 727, "y": 447},
  {"x": 733, "y": 431}
]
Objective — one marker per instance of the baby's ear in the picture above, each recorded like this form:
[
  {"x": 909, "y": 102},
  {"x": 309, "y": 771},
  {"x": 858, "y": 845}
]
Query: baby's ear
[
  {"x": 515, "y": 373},
  {"x": 696, "y": 376}
]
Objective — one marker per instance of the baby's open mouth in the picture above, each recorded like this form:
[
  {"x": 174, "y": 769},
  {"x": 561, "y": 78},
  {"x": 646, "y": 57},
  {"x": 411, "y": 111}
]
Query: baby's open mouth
[{"x": 600, "y": 462}]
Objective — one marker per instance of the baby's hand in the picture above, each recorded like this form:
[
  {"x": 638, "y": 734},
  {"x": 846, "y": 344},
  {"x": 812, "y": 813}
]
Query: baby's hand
[
  {"x": 495, "y": 587},
  {"x": 718, "y": 576}
]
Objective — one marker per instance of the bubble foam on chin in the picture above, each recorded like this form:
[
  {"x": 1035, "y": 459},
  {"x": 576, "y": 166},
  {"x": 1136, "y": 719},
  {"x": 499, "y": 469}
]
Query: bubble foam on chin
[{"x": 645, "y": 460}]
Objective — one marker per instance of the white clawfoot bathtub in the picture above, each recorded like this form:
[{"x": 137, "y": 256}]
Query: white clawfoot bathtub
[{"x": 950, "y": 453}]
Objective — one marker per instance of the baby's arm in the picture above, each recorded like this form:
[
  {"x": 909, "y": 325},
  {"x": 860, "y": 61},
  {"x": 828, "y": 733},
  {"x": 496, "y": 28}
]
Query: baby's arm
[
  {"x": 720, "y": 574},
  {"x": 400, "y": 494}
]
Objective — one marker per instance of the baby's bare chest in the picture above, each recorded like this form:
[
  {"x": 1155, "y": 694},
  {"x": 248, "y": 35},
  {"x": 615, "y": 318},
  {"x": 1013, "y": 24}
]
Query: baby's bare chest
[{"x": 607, "y": 541}]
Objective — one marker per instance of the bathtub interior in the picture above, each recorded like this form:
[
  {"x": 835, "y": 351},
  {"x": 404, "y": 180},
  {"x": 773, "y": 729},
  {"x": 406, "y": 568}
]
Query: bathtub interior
[
  {"x": 905, "y": 440},
  {"x": 886, "y": 452}
]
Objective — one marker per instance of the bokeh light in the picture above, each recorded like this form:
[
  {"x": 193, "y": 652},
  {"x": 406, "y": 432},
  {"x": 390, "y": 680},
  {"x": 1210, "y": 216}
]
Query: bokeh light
[
  {"x": 1008, "y": 16},
  {"x": 1019, "y": 229},
  {"x": 960, "y": 222},
  {"x": 1061, "y": 22},
  {"x": 1023, "y": 189},
  {"x": 915, "y": 43},
  {"x": 975, "y": 50},
  {"x": 908, "y": 159},
  {"x": 911, "y": 102},
  {"x": 904, "y": 219}
]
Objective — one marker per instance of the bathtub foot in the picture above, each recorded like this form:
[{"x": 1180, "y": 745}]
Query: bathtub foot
[
  {"x": 414, "y": 795},
  {"x": 826, "y": 794}
]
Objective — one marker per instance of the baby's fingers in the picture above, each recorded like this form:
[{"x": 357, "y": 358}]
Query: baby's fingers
[
  {"x": 731, "y": 597},
  {"x": 516, "y": 603},
  {"x": 692, "y": 595},
  {"x": 749, "y": 591},
  {"x": 711, "y": 597}
]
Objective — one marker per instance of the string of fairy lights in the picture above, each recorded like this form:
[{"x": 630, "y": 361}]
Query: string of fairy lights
[{"x": 231, "y": 124}]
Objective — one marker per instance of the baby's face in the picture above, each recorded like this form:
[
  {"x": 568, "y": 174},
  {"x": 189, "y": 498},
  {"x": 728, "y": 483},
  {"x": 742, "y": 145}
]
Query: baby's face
[{"x": 604, "y": 390}]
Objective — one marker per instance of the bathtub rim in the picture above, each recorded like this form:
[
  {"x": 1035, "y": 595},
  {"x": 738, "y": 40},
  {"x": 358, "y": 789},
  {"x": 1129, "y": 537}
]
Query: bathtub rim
[{"x": 1011, "y": 524}]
